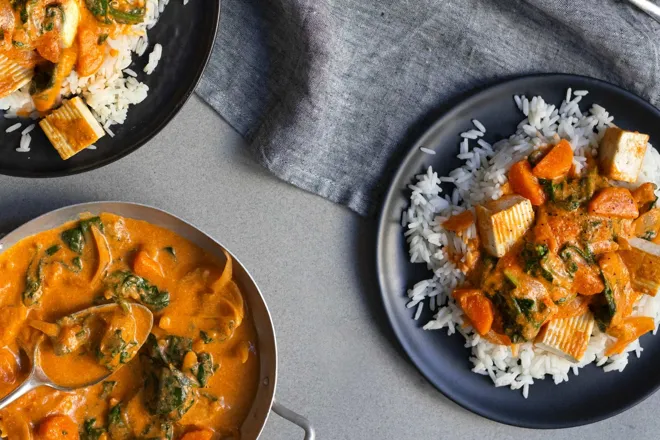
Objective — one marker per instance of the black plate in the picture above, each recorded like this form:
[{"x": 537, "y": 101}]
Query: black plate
[
  {"x": 587, "y": 398},
  {"x": 187, "y": 34}
]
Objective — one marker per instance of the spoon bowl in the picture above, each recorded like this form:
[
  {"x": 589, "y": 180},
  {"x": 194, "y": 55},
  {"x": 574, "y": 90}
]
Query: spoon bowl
[{"x": 38, "y": 377}]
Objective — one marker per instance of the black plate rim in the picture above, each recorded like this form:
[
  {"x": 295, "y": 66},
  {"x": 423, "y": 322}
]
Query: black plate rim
[
  {"x": 389, "y": 302},
  {"x": 147, "y": 137}
]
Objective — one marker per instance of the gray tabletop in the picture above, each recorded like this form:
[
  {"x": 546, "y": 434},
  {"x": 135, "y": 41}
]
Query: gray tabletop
[{"x": 339, "y": 363}]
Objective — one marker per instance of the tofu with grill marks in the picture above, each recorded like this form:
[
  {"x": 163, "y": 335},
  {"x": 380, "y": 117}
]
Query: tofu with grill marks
[
  {"x": 567, "y": 337},
  {"x": 71, "y": 128},
  {"x": 502, "y": 222},
  {"x": 13, "y": 76},
  {"x": 621, "y": 154},
  {"x": 643, "y": 262}
]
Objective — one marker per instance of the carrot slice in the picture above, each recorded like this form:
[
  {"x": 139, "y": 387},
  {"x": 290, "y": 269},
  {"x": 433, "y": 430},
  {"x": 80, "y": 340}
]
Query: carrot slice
[
  {"x": 497, "y": 338},
  {"x": 524, "y": 183},
  {"x": 58, "y": 427},
  {"x": 614, "y": 202},
  {"x": 459, "y": 222},
  {"x": 644, "y": 195},
  {"x": 628, "y": 331},
  {"x": 556, "y": 163},
  {"x": 198, "y": 435},
  {"x": 476, "y": 307},
  {"x": 147, "y": 267}
]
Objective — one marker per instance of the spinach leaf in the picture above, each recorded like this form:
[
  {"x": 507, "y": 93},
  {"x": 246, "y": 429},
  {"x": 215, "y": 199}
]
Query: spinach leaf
[
  {"x": 533, "y": 255},
  {"x": 77, "y": 263},
  {"x": 174, "y": 395},
  {"x": 526, "y": 306},
  {"x": 34, "y": 279},
  {"x": 204, "y": 368},
  {"x": 509, "y": 310},
  {"x": 89, "y": 432},
  {"x": 53, "y": 250},
  {"x": 108, "y": 386},
  {"x": 125, "y": 283},
  {"x": 114, "y": 415},
  {"x": 604, "y": 308},
  {"x": 74, "y": 239},
  {"x": 177, "y": 347},
  {"x": 98, "y": 8},
  {"x": 205, "y": 337},
  {"x": 649, "y": 235},
  {"x": 85, "y": 225},
  {"x": 133, "y": 16}
]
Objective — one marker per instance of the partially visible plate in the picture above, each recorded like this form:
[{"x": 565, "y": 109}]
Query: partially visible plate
[
  {"x": 442, "y": 359},
  {"x": 187, "y": 34}
]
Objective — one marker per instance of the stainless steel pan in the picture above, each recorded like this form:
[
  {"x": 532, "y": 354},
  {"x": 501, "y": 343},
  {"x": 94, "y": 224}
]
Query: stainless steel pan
[{"x": 265, "y": 399}]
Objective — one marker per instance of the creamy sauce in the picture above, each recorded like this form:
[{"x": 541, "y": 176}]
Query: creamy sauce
[{"x": 199, "y": 316}]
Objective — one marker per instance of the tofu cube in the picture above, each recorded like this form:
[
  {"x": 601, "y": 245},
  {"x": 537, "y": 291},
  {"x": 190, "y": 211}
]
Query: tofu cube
[
  {"x": 13, "y": 76},
  {"x": 567, "y": 337},
  {"x": 503, "y": 221},
  {"x": 621, "y": 153},
  {"x": 643, "y": 261},
  {"x": 72, "y": 128}
]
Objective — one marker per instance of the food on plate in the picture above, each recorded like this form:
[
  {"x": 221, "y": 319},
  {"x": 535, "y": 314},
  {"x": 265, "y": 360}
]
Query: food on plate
[
  {"x": 196, "y": 375},
  {"x": 556, "y": 263},
  {"x": 52, "y": 50}
]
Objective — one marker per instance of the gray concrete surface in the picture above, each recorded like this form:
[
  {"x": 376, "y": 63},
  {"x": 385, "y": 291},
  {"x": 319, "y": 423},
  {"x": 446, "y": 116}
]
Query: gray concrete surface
[{"x": 314, "y": 262}]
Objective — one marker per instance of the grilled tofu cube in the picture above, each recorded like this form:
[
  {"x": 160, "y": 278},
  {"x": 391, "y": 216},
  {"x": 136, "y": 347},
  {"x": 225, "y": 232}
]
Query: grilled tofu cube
[
  {"x": 13, "y": 76},
  {"x": 503, "y": 221},
  {"x": 643, "y": 261},
  {"x": 567, "y": 337},
  {"x": 621, "y": 153},
  {"x": 72, "y": 128}
]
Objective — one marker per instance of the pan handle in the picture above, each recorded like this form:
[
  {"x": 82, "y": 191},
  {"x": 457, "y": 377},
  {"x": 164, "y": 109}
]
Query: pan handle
[{"x": 293, "y": 417}]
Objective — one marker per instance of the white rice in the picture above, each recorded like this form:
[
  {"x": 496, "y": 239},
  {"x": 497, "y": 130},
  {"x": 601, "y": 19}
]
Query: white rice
[
  {"x": 24, "y": 145},
  {"x": 28, "y": 129},
  {"x": 480, "y": 179},
  {"x": 114, "y": 88},
  {"x": 154, "y": 59},
  {"x": 13, "y": 127},
  {"x": 426, "y": 150}
]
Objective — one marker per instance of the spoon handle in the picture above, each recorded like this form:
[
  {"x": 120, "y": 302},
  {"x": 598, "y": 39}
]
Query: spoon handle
[{"x": 30, "y": 383}]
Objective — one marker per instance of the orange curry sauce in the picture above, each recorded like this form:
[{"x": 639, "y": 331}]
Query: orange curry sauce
[{"x": 195, "y": 378}]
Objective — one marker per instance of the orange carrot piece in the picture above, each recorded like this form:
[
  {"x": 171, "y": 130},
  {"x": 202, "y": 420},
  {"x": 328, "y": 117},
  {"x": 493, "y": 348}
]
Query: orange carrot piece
[
  {"x": 644, "y": 195},
  {"x": 587, "y": 281},
  {"x": 556, "y": 163},
  {"x": 497, "y": 338},
  {"x": 628, "y": 331},
  {"x": 92, "y": 53},
  {"x": 543, "y": 233},
  {"x": 58, "y": 427},
  {"x": 477, "y": 308},
  {"x": 198, "y": 435},
  {"x": 147, "y": 267},
  {"x": 614, "y": 202},
  {"x": 524, "y": 183},
  {"x": 459, "y": 222}
]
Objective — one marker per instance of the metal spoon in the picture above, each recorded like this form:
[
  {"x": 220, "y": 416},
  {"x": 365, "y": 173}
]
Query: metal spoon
[
  {"x": 39, "y": 378},
  {"x": 649, "y": 7}
]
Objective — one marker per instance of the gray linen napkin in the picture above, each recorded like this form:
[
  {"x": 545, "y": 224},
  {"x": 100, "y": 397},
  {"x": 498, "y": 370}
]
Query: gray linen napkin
[{"x": 329, "y": 93}]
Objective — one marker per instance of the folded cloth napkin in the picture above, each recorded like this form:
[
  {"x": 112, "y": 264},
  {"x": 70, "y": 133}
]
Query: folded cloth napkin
[{"x": 329, "y": 93}]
